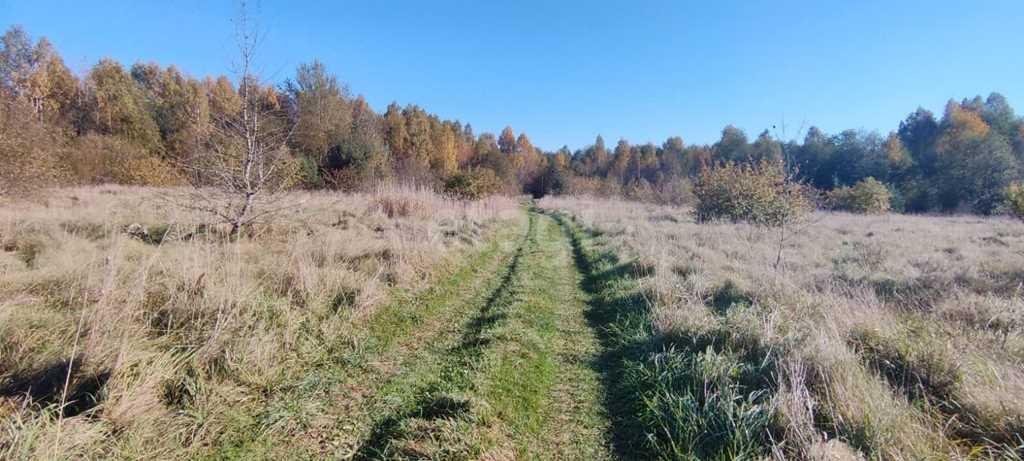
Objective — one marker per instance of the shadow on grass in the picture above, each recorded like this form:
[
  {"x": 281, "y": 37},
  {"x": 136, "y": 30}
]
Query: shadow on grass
[
  {"x": 620, "y": 315},
  {"x": 47, "y": 387},
  {"x": 428, "y": 406},
  {"x": 700, "y": 396}
]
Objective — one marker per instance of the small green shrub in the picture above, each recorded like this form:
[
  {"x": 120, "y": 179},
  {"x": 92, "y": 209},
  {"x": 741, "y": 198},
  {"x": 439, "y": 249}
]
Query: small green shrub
[
  {"x": 474, "y": 184},
  {"x": 869, "y": 196},
  {"x": 756, "y": 193}
]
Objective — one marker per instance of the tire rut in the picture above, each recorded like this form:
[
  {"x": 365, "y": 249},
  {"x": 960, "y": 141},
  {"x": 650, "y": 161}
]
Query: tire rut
[
  {"x": 389, "y": 365},
  {"x": 522, "y": 382},
  {"x": 434, "y": 398}
]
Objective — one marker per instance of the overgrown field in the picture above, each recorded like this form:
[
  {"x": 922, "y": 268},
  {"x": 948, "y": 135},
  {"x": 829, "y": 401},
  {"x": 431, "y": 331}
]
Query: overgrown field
[
  {"x": 403, "y": 325},
  {"x": 882, "y": 337},
  {"x": 128, "y": 329}
]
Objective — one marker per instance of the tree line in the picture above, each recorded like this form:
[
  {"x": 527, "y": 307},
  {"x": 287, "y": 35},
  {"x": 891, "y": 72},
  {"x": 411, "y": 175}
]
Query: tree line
[
  {"x": 145, "y": 124},
  {"x": 961, "y": 161}
]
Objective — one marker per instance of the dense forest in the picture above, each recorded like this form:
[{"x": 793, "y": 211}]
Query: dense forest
[{"x": 141, "y": 125}]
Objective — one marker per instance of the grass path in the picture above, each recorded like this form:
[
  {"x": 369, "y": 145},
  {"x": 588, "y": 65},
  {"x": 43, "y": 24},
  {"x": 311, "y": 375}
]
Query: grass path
[
  {"x": 503, "y": 358},
  {"x": 332, "y": 406},
  {"x": 578, "y": 420},
  {"x": 406, "y": 342},
  {"x": 519, "y": 383}
]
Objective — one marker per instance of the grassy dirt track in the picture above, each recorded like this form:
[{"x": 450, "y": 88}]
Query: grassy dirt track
[
  {"x": 381, "y": 367},
  {"x": 513, "y": 378},
  {"x": 500, "y": 359}
]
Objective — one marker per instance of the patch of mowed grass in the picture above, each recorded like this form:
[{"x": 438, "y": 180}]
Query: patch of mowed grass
[
  {"x": 519, "y": 375},
  {"x": 398, "y": 320},
  {"x": 670, "y": 398},
  {"x": 435, "y": 412}
]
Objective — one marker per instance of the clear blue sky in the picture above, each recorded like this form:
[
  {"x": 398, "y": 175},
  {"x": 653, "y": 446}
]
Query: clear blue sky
[{"x": 565, "y": 71}]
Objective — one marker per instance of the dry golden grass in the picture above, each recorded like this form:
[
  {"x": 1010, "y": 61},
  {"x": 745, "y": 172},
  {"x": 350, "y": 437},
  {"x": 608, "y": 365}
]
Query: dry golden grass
[
  {"x": 896, "y": 336},
  {"x": 118, "y": 310}
]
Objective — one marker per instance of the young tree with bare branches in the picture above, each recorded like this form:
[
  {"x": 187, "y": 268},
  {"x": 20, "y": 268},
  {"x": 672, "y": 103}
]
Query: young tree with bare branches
[{"x": 245, "y": 164}]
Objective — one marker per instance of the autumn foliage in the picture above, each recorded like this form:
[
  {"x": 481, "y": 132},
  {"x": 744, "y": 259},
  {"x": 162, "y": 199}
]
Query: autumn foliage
[
  {"x": 143, "y": 124},
  {"x": 756, "y": 193}
]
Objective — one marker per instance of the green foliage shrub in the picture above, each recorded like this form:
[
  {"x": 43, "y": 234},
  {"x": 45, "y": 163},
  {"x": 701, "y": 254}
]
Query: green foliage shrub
[
  {"x": 473, "y": 184},
  {"x": 757, "y": 193},
  {"x": 869, "y": 196}
]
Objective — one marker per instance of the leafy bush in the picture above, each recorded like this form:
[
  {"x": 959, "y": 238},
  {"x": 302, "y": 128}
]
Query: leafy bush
[
  {"x": 757, "y": 193},
  {"x": 869, "y": 196},
  {"x": 1014, "y": 195},
  {"x": 474, "y": 184}
]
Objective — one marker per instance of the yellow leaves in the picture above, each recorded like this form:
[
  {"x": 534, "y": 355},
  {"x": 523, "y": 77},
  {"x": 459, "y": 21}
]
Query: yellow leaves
[
  {"x": 561, "y": 161},
  {"x": 148, "y": 171},
  {"x": 446, "y": 156},
  {"x": 224, "y": 100},
  {"x": 29, "y": 153},
  {"x": 896, "y": 154},
  {"x": 869, "y": 196},
  {"x": 961, "y": 125},
  {"x": 968, "y": 124},
  {"x": 507, "y": 140}
]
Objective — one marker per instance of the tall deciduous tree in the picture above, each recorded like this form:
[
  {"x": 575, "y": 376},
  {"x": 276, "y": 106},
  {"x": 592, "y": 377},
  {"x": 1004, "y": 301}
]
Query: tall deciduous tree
[
  {"x": 919, "y": 132},
  {"x": 733, "y": 146},
  {"x": 395, "y": 132},
  {"x": 600, "y": 158},
  {"x": 445, "y": 160},
  {"x": 900, "y": 162},
  {"x": 765, "y": 148},
  {"x": 421, "y": 145},
  {"x": 117, "y": 106},
  {"x": 507, "y": 141},
  {"x": 620, "y": 163},
  {"x": 322, "y": 111},
  {"x": 17, "y": 59}
]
